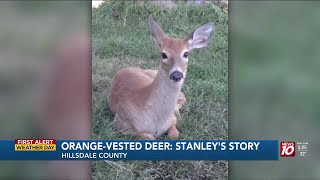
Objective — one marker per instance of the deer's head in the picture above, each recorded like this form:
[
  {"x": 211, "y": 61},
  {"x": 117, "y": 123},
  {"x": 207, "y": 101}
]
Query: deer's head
[{"x": 174, "y": 52}]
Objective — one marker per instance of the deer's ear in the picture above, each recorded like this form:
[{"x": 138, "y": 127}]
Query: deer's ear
[
  {"x": 156, "y": 31},
  {"x": 201, "y": 36}
]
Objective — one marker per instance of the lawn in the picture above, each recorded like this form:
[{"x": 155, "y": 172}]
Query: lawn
[{"x": 120, "y": 38}]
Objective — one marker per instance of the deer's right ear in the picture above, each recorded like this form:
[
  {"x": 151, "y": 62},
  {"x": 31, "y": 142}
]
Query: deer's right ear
[{"x": 156, "y": 31}]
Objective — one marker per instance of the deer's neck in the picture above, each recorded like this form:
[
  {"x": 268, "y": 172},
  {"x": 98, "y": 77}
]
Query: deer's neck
[{"x": 164, "y": 94}]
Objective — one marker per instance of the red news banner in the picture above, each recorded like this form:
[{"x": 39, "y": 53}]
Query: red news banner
[{"x": 35, "y": 145}]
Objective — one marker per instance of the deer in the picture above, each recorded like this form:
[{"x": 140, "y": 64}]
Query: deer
[{"x": 144, "y": 101}]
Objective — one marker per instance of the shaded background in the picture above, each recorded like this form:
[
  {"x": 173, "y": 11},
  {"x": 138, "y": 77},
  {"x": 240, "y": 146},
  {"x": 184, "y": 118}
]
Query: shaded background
[
  {"x": 45, "y": 75},
  {"x": 274, "y": 84}
]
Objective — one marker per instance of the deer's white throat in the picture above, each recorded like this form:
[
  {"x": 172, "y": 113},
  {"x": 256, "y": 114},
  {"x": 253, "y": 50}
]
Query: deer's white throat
[{"x": 164, "y": 95}]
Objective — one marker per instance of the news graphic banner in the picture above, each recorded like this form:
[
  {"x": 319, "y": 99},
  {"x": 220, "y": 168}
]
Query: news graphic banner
[{"x": 51, "y": 149}]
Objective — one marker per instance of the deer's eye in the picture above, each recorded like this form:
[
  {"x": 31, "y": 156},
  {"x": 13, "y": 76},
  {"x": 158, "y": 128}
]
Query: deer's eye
[
  {"x": 164, "y": 56},
  {"x": 185, "y": 55}
]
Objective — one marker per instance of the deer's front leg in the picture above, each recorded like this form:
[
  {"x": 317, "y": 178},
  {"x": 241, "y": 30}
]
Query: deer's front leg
[
  {"x": 181, "y": 101},
  {"x": 173, "y": 132},
  {"x": 145, "y": 136}
]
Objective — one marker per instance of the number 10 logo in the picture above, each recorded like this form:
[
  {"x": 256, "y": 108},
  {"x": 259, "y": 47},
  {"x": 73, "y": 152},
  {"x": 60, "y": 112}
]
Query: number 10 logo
[{"x": 287, "y": 149}]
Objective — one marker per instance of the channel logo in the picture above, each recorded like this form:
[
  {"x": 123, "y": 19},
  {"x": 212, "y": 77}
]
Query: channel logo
[{"x": 287, "y": 149}]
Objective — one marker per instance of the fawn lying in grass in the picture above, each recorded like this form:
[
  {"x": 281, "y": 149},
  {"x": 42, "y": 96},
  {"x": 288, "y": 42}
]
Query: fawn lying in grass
[{"x": 144, "y": 101}]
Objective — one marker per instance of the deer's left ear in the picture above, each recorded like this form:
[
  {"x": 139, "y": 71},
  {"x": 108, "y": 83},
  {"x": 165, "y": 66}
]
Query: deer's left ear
[
  {"x": 156, "y": 31},
  {"x": 201, "y": 36}
]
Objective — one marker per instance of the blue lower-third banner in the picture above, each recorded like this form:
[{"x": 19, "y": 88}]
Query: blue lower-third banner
[{"x": 51, "y": 149}]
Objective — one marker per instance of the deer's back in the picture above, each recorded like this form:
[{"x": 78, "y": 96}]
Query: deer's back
[{"x": 128, "y": 84}]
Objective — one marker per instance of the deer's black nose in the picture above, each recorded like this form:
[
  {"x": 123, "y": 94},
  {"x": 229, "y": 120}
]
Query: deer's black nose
[{"x": 176, "y": 76}]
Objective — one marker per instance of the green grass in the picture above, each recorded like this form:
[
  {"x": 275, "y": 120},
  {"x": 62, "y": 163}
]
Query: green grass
[{"x": 121, "y": 39}]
